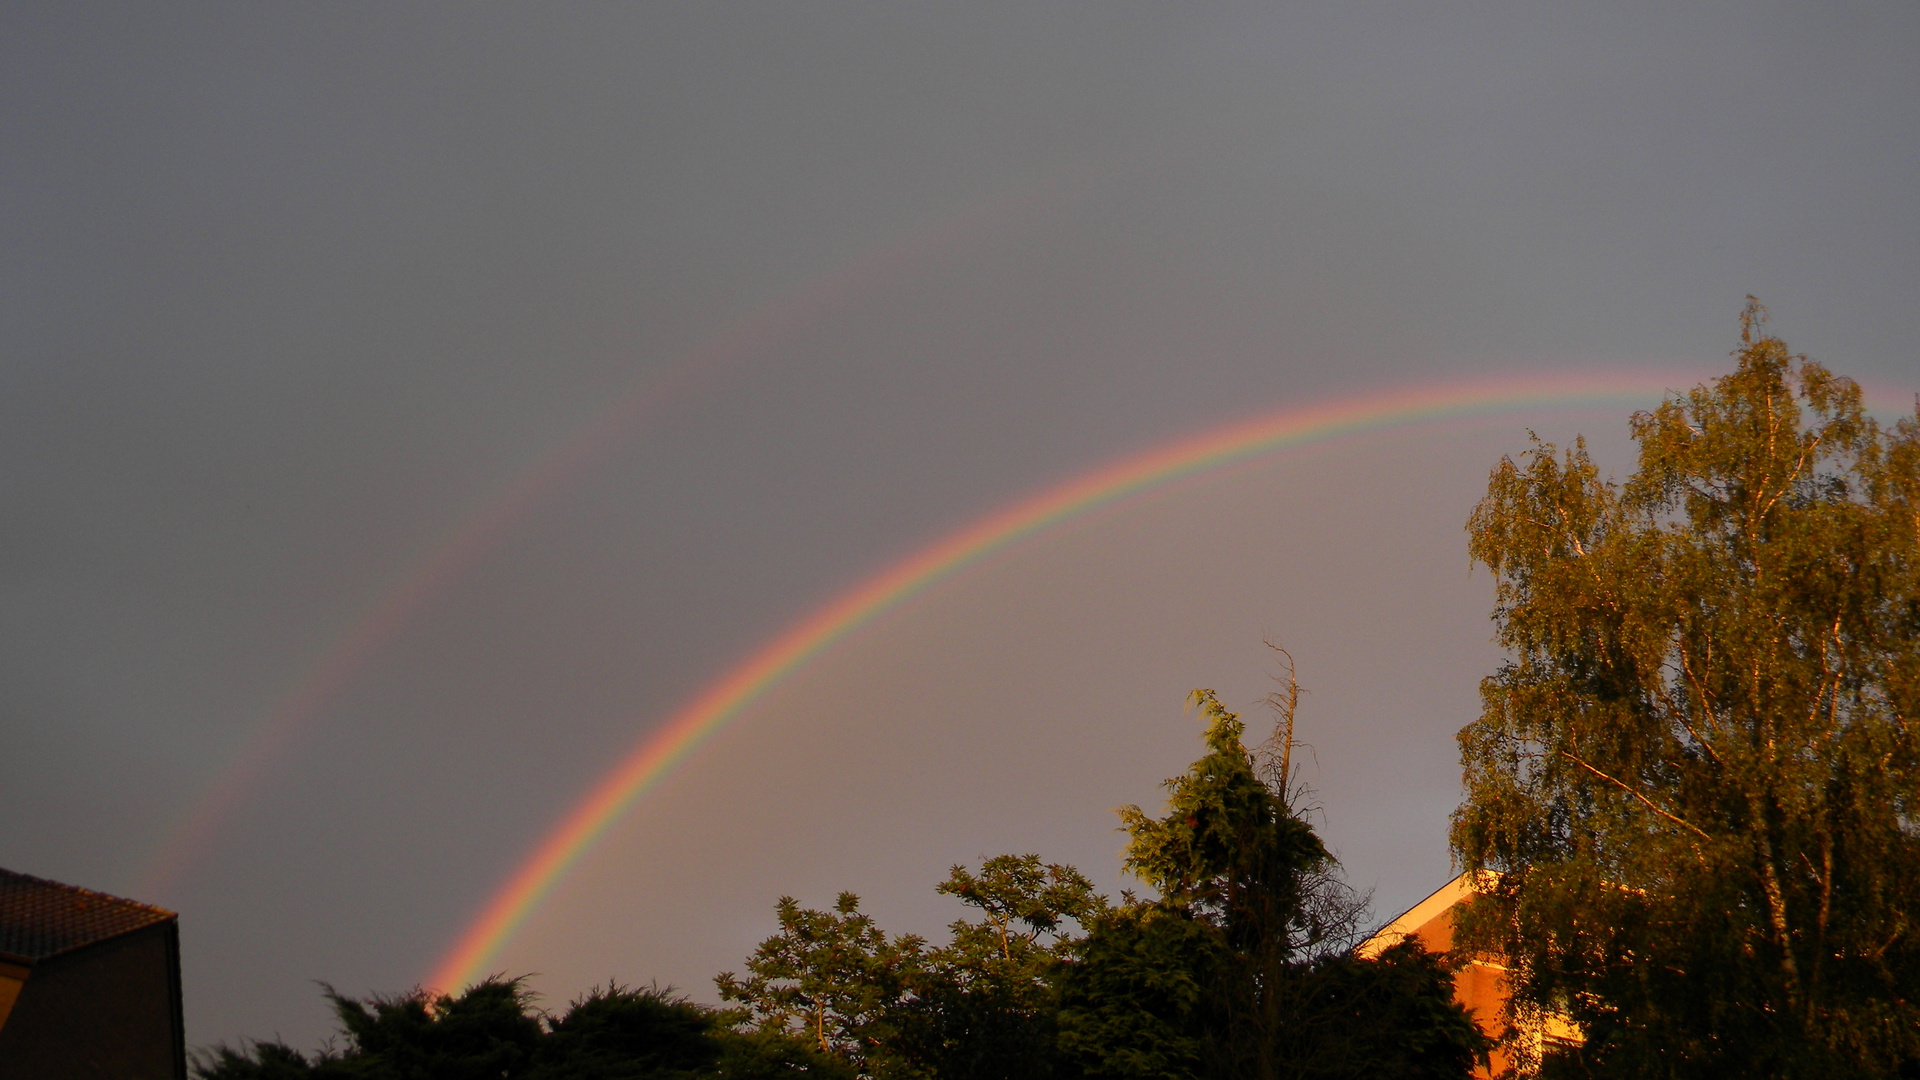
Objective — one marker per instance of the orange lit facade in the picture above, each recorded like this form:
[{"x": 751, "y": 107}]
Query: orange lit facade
[{"x": 1480, "y": 984}]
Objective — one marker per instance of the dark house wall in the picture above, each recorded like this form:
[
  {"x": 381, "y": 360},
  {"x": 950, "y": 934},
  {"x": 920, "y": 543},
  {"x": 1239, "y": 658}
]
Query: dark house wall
[{"x": 109, "y": 1011}]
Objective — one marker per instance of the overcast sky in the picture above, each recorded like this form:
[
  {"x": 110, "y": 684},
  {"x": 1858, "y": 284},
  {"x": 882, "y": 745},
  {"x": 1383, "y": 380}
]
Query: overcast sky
[{"x": 403, "y": 409}]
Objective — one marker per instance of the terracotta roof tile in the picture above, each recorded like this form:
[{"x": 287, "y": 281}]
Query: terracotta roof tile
[{"x": 40, "y": 918}]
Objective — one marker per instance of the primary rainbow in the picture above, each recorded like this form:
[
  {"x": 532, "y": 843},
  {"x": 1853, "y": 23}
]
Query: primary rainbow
[{"x": 661, "y": 749}]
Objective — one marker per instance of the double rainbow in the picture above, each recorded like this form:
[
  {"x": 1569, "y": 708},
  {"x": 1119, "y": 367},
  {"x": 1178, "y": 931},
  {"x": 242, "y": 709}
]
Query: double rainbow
[{"x": 665, "y": 746}]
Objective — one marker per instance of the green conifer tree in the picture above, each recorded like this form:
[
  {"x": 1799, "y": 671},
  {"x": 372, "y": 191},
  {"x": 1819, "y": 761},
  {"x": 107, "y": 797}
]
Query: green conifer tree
[{"x": 1241, "y": 968}]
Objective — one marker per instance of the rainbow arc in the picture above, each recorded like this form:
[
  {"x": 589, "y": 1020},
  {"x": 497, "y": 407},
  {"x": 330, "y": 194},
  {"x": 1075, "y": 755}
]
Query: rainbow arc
[{"x": 672, "y": 742}]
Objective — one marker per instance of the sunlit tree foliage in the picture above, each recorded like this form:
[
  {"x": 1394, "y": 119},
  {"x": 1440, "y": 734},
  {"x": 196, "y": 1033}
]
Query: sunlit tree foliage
[{"x": 1697, "y": 773}]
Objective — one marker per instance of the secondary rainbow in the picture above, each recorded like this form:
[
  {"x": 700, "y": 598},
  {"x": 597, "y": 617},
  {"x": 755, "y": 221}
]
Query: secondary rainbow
[
  {"x": 445, "y": 561},
  {"x": 664, "y": 747}
]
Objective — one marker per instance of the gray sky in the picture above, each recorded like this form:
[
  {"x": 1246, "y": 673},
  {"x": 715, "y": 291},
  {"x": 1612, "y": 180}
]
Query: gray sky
[{"x": 289, "y": 294}]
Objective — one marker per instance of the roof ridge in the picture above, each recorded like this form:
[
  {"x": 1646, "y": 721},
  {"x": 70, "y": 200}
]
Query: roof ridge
[{"x": 41, "y": 918}]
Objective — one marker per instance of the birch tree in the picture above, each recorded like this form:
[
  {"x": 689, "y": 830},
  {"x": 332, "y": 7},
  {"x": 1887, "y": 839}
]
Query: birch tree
[{"x": 1696, "y": 773}]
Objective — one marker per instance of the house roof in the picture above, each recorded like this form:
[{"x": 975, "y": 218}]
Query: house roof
[
  {"x": 41, "y": 918},
  {"x": 1419, "y": 915}
]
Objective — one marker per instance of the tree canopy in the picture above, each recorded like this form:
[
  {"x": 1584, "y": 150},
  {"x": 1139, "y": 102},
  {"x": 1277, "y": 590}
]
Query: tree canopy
[
  {"x": 1242, "y": 967},
  {"x": 1238, "y": 968},
  {"x": 495, "y": 1031},
  {"x": 833, "y": 976},
  {"x": 1696, "y": 774}
]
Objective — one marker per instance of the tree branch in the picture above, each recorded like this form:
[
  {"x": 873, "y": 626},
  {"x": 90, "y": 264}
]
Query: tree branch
[
  {"x": 1649, "y": 803},
  {"x": 1706, "y": 703}
]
